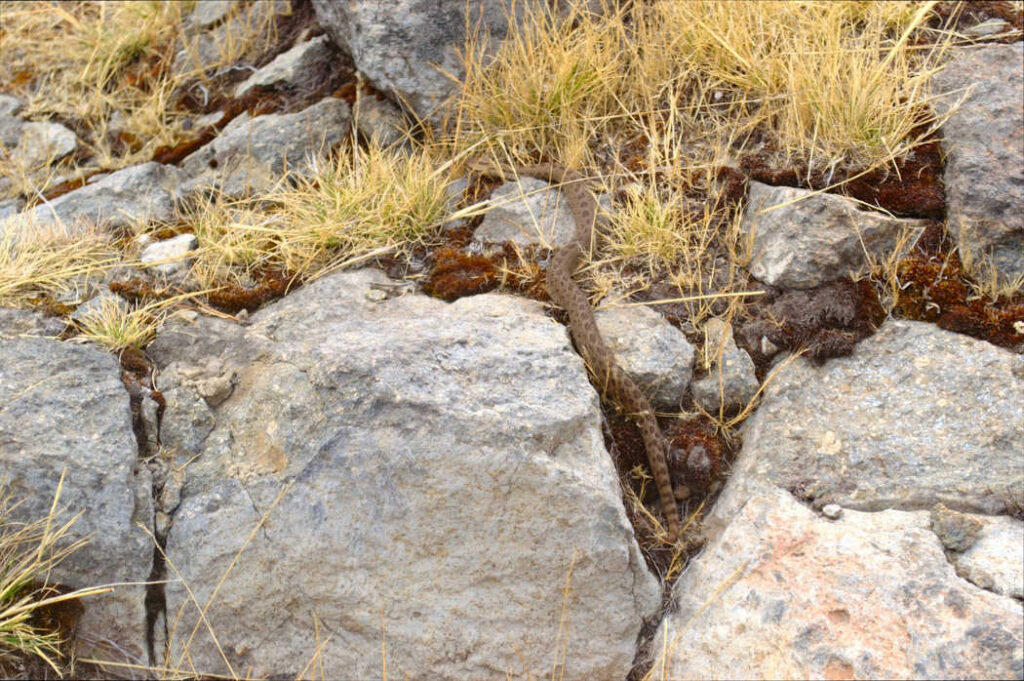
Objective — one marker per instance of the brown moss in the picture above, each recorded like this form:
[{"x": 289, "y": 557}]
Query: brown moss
[
  {"x": 827, "y": 321},
  {"x": 909, "y": 187},
  {"x": 935, "y": 288},
  {"x": 135, "y": 290},
  {"x": 457, "y": 274},
  {"x": 233, "y": 298}
]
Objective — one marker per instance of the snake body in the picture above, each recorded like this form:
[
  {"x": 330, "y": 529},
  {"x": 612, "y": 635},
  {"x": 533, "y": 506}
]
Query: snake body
[{"x": 609, "y": 378}]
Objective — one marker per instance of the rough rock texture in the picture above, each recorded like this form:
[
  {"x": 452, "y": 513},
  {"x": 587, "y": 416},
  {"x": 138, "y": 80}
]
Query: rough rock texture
[
  {"x": 655, "y": 354},
  {"x": 818, "y": 239},
  {"x": 251, "y": 154},
  {"x": 445, "y": 478},
  {"x": 303, "y": 66},
  {"x": 63, "y": 406},
  {"x": 996, "y": 559},
  {"x": 10, "y": 131},
  {"x": 168, "y": 256},
  {"x": 15, "y": 323},
  {"x": 528, "y": 211},
  {"x": 141, "y": 193},
  {"x": 785, "y": 593},
  {"x": 915, "y": 416},
  {"x": 984, "y": 143},
  {"x": 379, "y": 119},
  {"x": 10, "y": 105},
  {"x": 42, "y": 143},
  {"x": 404, "y": 47},
  {"x": 732, "y": 380}
]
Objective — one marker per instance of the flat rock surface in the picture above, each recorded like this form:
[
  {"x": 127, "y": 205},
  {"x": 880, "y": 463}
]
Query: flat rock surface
[
  {"x": 786, "y": 593},
  {"x": 984, "y": 143},
  {"x": 915, "y": 416},
  {"x": 445, "y": 478},
  {"x": 63, "y": 407}
]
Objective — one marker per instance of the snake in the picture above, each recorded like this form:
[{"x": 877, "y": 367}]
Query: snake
[{"x": 608, "y": 377}]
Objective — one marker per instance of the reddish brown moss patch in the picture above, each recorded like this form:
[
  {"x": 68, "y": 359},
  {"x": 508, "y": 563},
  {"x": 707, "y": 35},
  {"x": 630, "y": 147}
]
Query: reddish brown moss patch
[
  {"x": 457, "y": 274},
  {"x": 909, "y": 187},
  {"x": 935, "y": 288},
  {"x": 233, "y": 298}
]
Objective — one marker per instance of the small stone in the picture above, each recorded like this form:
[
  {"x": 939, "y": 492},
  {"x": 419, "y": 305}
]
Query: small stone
[
  {"x": 168, "y": 256},
  {"x": 376, "y": 295},
  {"x": 9, "y": 105},
  {"x": 957, "y": 531},
  {"x": 44, "y": 142},
  {"x": 832, "y": 511}
]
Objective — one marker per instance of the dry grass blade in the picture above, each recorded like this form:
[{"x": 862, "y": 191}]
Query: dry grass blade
[
  {"x": 28, "y": 552},
  {"x": 49, "y": 260}
]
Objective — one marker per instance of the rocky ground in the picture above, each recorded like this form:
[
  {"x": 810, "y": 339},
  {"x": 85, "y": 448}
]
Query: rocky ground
[{"x": 352, "y": 476}]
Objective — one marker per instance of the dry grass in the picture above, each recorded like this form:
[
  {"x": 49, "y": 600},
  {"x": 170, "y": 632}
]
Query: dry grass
[
  {"x": 48, "y": 261},
  {"x": 657, "y": 94},
  {"x": 363, "y": 203},
  {"x": 116, "y": 325},
  {"x": 106, "y": 70},
  {"x": 28, "y": 552}
]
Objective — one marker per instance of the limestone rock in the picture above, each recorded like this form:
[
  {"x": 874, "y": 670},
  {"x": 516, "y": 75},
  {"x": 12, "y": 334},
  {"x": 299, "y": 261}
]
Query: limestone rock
[
  {"x": 442, "y": 477},
  {"x": 251, "y": 154},
  {"x": 525, "y": 212},
  {"x": 405, "y": 47},
  {"x": 732, "y": 380},
  {"x": 818, "y": 239},
  {"x": 655, "y": 354},
  {"x": 63, "y": 407},
  {"x": 984, "y": 143},
  {"x": 784, "y": 593},
  {"x": 304, "y": 66},
  {"x": 142, "y": 193},
  {"x": 914, "y": 417}
]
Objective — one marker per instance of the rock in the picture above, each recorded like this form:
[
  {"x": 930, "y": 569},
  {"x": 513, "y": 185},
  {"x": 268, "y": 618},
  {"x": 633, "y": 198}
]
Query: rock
[
  {"x": 832, "y": 511},
  {"x": 783, "y": 593},
  {"x": 303, "y": 67},
  {"x": 527, "y": 212},
  {"x": 168, "y": 256},
  {"x": 16, "y": 323},
  {"x": 10, "y": 131},
  {"x": 43, "y": 143},
  {"x": 64, "y": 408},
  {"x": 142, "y": 193},
  {"x": 957, "y": 531},
  {"x": 10, "y": 207},
  {"x": 406, "y": 48},
  {"x": 732, "y": 379},
  {"x": 655, "y": 354},
  {"x": 209, "y": 13},
  {"x": 251, "y": 154},
  {"x": 445, "y": 466},
  {"x": 984, "y": 144},
  {"x": 380, "y": 120},
  {"x": 10, "y": 105},
  {"x": 818, "y": 239},
  {"x": 914, "y": 417},
  {"x": 995, "y": 561},
  {"x": 987, "y": 28}
]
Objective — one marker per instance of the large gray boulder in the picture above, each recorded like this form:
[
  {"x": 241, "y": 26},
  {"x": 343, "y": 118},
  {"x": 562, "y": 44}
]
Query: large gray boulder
[
  {"x": 984, "y": 143},
  {"x": 444, "y": 491},
  {"x": 404, "y": 47},
  {"x": 63, "y": 408},
  {"x": 915, "y": 423}
]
